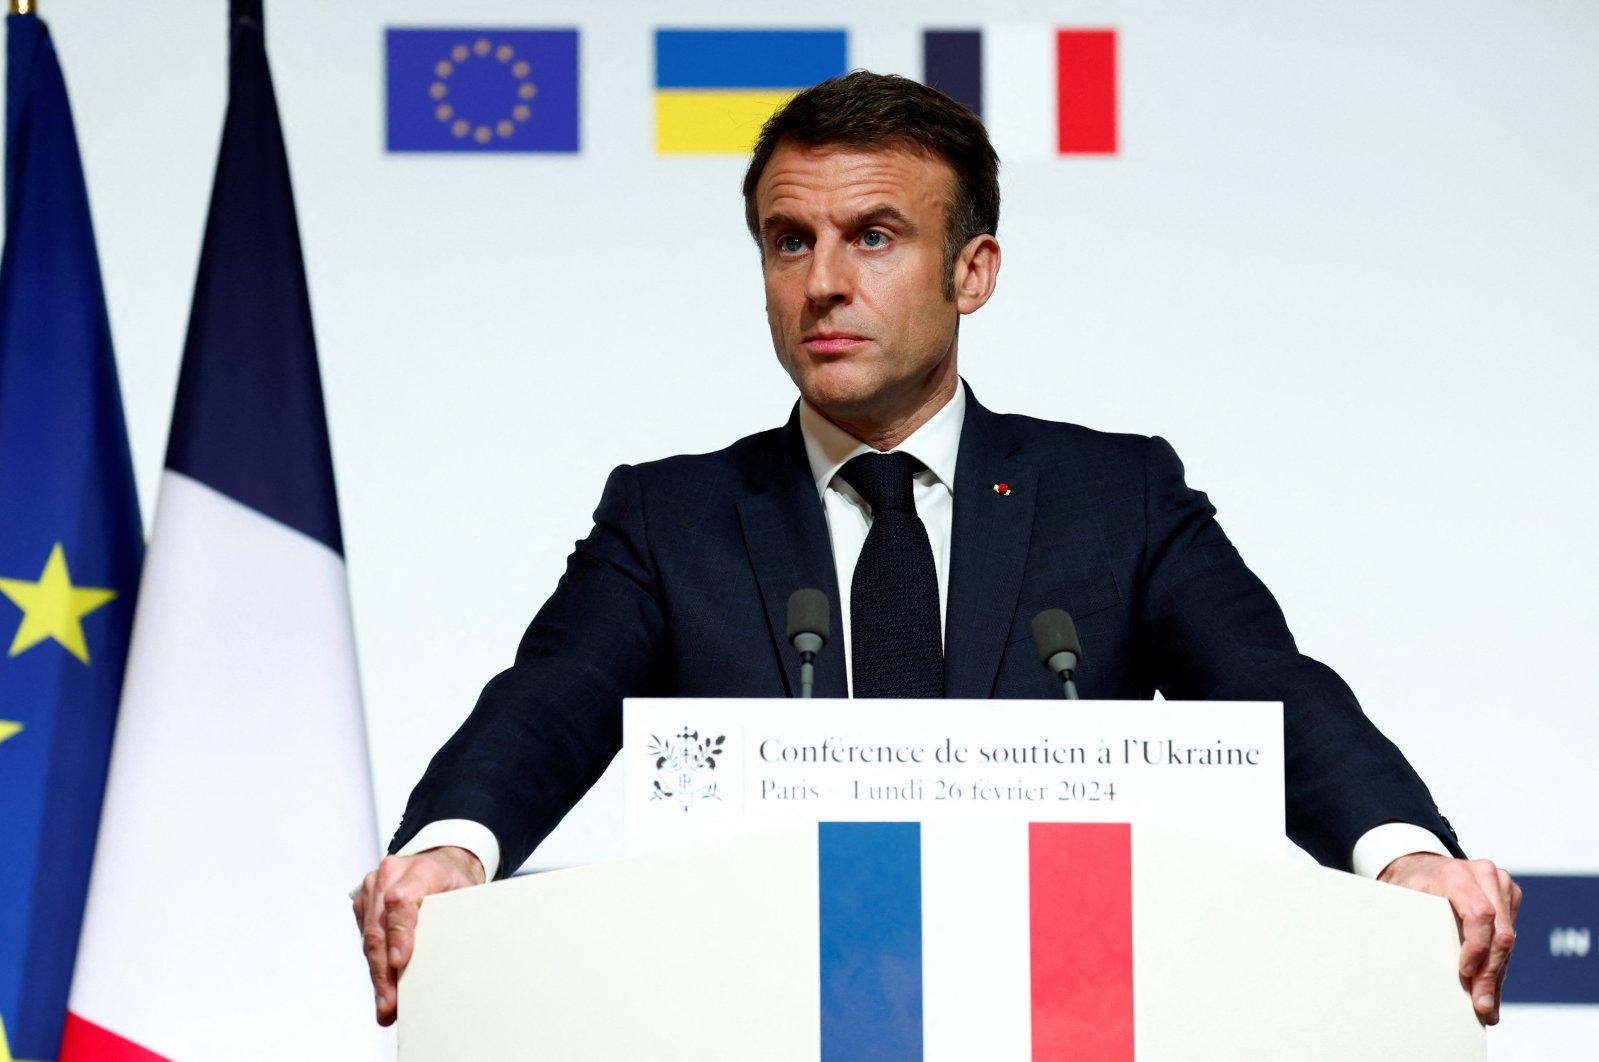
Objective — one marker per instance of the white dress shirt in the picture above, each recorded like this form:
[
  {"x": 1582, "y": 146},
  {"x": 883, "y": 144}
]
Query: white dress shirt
[{"x": 935, "y": 444}]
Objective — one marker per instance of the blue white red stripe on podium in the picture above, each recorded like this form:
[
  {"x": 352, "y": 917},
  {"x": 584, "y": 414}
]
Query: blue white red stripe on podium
[{"x": 1042, "y": 970}]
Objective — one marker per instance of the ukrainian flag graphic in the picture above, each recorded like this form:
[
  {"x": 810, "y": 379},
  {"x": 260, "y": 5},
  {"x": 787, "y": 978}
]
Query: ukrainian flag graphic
[{"x": 715, "y": 88}]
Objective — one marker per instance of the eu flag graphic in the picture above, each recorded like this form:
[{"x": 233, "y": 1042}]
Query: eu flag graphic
[
  {"x": 482, "y": 90},
  {"x": 70, "y": 547}
]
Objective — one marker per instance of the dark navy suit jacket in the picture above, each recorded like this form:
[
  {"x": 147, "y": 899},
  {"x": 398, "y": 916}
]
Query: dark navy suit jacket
[{"x": 682, "y": 588}]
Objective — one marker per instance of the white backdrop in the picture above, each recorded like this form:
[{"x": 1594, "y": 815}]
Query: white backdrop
[{"x": 1347, "y": 260}]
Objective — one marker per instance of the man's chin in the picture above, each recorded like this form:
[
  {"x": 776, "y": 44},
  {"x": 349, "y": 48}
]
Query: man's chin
[{"x": 839, "y": 395}]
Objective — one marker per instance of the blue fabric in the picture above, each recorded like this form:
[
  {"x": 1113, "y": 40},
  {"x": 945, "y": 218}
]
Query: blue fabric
[
  {"x": 66, "y": 481},
  {"x": 681, "y": 589},
  {"x": 869, "y": 883},
  {"x": 248, "y": 420}
]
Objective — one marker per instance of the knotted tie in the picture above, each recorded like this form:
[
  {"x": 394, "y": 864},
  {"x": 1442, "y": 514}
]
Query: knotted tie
[{"x": 895, "y": 646}]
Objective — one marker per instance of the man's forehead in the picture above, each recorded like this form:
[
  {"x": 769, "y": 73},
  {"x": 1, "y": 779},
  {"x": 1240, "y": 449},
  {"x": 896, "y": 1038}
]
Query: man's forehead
[{"x": 798, "y": 175}]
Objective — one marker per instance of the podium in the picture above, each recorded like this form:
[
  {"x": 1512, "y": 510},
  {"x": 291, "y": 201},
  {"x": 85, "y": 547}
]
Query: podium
[{"x": 850, "y": 941}]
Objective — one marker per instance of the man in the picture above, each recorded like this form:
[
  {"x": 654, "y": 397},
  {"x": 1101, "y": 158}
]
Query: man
[{"x": 875, "y": 203}]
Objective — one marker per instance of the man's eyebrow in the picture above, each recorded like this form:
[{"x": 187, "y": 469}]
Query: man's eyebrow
[
  {"x": 775, "y": 223},
  {"x": 880, "y": 215},
  {"x": 877, "y": 215}
]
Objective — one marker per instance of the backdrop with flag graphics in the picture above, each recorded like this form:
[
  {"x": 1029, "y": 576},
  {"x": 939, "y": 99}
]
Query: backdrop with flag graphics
[
  {"x": 1341, "y": 256},
  {"x": 1047, "y": 90}
]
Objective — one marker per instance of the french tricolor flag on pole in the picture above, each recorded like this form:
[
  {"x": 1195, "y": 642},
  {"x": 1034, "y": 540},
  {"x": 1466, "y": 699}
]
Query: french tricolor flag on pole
[
  {"x": 1041, "y": 91},
  {"x": 238, "y": 810},
  {"x": 933, "y": 948}
]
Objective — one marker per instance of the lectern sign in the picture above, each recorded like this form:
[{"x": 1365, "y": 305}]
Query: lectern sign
[{"x": 700, "y": 769}]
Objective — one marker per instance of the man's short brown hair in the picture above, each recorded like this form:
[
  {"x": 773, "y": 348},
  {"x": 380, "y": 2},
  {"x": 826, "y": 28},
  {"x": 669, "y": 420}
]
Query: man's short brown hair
[{"x": 868, "y": 111}]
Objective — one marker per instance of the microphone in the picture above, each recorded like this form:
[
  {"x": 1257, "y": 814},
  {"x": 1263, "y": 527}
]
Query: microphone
[
  {"x": 807, "y": 631},
  {"x": 1058, "y": 649}
]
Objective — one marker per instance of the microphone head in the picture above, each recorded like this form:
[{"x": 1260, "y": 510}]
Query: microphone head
[
  {"x": 807, "y": 614},
  {"x": 1054, "y": 633}
]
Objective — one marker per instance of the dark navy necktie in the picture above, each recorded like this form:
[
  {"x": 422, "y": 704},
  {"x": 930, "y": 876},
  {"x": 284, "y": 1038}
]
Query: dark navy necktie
[{"x": 896, "y": 649}]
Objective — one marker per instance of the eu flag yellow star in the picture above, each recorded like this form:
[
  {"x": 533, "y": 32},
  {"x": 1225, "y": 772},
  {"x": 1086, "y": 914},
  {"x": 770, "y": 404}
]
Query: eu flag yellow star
[
  {"x": 53, "y": 608},
  {"x": 5, "y": 1046},
  {"x": 8, "y": 729}
]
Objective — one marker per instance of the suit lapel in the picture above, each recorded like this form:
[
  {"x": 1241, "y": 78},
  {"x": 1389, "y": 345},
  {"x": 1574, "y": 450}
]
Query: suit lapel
[
  {"x": 785, "y": 534},
  {"x": 989, "y": 539}
]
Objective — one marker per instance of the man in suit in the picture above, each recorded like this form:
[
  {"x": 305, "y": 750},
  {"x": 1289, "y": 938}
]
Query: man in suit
[{"x": 875, "y": 201}]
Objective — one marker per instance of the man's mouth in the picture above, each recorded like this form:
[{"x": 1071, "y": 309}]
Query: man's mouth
[{"x": 832, "y": 342}]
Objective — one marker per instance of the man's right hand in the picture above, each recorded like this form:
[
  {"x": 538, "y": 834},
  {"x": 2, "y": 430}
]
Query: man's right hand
[{"x": 386, "y": 909}]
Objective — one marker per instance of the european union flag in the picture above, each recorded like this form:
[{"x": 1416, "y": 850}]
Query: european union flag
[
  {"x": 482, "y": 90},
  {"x": 70, "y": 546}
]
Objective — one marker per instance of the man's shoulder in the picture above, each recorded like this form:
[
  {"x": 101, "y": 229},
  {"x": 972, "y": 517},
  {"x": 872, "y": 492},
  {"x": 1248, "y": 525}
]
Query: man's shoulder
[
  {"x": 1036, "y": 436},
  {"x": 752, "y": 457}
]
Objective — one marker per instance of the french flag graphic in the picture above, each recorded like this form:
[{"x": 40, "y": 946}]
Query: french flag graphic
[
  {"x": 1041, "y": 91},
  {"x": 933, "y": 949}
]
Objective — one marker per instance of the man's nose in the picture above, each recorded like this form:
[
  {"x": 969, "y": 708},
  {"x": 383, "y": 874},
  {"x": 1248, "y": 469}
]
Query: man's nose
[{"x": 831, "y": 278}]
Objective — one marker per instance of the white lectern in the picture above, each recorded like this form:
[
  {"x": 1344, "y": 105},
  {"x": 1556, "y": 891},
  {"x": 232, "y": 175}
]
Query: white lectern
[{"x": 1090, "y": 941}]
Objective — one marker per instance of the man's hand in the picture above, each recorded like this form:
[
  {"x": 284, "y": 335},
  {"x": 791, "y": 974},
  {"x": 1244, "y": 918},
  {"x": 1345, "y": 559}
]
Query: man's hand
[
  {"x": 1485, "y": 900},
  {"x": 386, "y": 909}
]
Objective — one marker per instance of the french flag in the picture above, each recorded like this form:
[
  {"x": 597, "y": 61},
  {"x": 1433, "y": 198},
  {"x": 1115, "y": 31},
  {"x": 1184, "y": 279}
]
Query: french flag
[
  {"x": 238, "y": 810},
  {"x": 934, "y": 947},
  {"x": 1041, "y": 91}
]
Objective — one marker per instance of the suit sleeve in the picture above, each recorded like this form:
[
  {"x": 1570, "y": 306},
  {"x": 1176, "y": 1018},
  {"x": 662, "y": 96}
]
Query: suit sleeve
[
  {"x": 544, "y": 730},
  {"x": 1213, "y": 631}
]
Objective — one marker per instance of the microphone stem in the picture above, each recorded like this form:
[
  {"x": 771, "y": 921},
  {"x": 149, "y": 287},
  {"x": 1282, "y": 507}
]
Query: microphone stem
[
  {"x": 807, "y": 674},
  {"x": 1071, "y": 689}
]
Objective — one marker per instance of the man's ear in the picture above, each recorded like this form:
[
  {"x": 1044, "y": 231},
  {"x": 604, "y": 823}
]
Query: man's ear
[{"x": 976, "y": 273}]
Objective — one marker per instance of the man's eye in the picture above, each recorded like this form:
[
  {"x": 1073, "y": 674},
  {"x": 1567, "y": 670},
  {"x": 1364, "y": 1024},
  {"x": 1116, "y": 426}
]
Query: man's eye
[
  {"x": 790, "y": 245},
  {"x": 872, "y": 238}
]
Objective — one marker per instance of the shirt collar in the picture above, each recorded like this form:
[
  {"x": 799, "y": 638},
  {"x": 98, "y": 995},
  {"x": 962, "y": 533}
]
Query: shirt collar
[{"x": 935, "y": 444}]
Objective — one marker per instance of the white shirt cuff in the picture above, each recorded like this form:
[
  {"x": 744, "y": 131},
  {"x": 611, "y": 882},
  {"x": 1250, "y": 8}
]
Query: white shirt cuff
[
  {"x": 1383, "y": 844},
  {"x": 463, "y": 833}
]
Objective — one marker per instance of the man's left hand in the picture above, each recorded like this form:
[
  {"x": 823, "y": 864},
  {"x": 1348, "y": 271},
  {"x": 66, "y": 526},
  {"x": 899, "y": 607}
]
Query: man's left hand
[{"x": 1485, "y": 900}]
